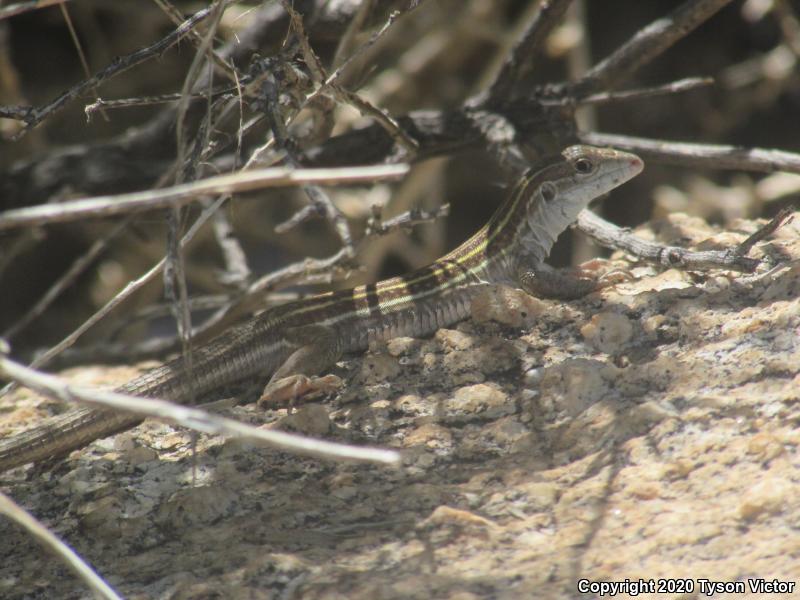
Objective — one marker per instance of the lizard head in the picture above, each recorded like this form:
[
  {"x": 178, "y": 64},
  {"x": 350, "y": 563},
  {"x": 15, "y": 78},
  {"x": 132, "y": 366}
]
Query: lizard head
[{"x": 554, "y": 195}]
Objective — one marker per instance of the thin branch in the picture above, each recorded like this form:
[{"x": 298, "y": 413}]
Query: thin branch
[
  {"x": 35, "y": 115},
  {"x": 521, "y": 59},
  {"x": 15, "y": 112},
  {"x": 49, "y": 540},
  {"x": 312, "y": 60},
  {"x": 78, "y": 49},
  {"x": 192, "y": 418},
  {"x": 385, "y": 120},
  {"x": 306, "y": 213},
  {"x": 410, "y": 218},
  {"x": 236, "y": 272},
  {"x": 176, "y": 292},
  {"x": 320, "y": 202},
  {"x": 175, "y": 16},
  {"x": 22, "y": 7},
  {"x": 674, "y": 87},
  {"x": 346, "y": 45},
  {"x": 175, "y": 288},
  {"x": 337, "y": 73},
  {"x": 766, "y": 230},
  {"x": 179, "y": 195},
  {"x": 609, "y": 235},
  {"x": 330, "y": 83},
  {"x": 193, "y": 73},
  {"x": 117, "y": 103},
  {"x": 707, "y": 156},
  {"x": 645, "y": 45}
]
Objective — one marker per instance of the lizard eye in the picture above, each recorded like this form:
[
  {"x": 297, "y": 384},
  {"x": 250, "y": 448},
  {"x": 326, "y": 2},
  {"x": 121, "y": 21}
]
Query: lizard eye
[
  {"x": 584, "y": 166},
  {"x": 548, "y": 191}
]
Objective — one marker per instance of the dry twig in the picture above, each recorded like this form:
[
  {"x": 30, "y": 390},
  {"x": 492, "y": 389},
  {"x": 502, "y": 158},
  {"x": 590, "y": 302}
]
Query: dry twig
[
  {"x": 179, "y": 195},
  {"x": 33, "y": 116}
]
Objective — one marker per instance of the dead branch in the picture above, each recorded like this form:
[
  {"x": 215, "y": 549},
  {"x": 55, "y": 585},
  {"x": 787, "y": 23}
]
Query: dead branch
[
  {"x": 33, "y": 116},
  {"x": 706, "y": 156},
  {"x": 179, "y": 195},
  {"x": 645, "y": 45},
  {"x": 522, "y": 58},
  {"x": 609, "y": 235}
]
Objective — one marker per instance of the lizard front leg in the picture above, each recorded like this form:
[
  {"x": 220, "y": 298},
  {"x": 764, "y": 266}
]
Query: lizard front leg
[
  {"x": 542, "y": 280},
  {"x": 316, "y": 349}
]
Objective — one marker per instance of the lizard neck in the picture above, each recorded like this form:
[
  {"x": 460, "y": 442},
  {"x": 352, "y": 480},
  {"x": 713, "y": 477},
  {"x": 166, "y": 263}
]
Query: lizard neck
[{"x": 523, "y": 226}]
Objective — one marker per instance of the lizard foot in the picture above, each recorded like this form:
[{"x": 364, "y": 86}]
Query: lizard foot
[{"x": 289, "y": 391}]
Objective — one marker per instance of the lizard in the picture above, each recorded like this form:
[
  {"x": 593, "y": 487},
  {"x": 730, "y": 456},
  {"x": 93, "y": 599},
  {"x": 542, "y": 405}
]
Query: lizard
[{"x": 308, "y": 336}]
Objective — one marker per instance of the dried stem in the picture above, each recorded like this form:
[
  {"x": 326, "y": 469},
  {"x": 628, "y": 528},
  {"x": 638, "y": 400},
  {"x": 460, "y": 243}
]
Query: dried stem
[
  {"x": 105, "y": 206},
  {"x": 19, "y": 8},
  {"x": 675, "y": 87},
  {"x": 520, "y": 61},
  {"x": 35, "y": 115},
  {"x": 645, "y": 45},
  {"x": 609, "y": 235},
  {"x": 707, "y": 156}
]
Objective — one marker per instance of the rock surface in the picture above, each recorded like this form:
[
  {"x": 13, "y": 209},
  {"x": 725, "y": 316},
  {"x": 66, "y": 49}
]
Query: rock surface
[{"x": 649, "y": 431}]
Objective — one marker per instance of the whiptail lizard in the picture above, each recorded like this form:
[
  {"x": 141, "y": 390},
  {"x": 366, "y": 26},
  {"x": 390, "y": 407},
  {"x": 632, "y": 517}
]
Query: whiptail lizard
[{"x": 308, "y": 336}]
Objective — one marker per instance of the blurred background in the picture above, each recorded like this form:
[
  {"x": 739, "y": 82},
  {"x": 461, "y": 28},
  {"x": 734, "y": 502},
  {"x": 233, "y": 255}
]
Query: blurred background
[{"x": 435, "y": 57}]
